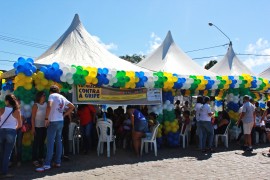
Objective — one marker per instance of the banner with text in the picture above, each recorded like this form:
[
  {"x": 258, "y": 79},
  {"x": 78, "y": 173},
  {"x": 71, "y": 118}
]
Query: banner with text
[{"x": 106, "y": 95}]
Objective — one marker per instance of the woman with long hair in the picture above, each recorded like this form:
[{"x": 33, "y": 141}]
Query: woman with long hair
[
  {"x": 10, "y": 121},
  {"x": 38, "y": 128}
]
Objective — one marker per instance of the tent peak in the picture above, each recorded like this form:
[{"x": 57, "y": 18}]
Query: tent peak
[
  {"x": 75, "y": 22},
  {"x": 168, "y": 41}
]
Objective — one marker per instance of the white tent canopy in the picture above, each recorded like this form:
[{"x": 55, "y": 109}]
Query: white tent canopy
[
  {"x": 230, "y": 65},
  {"x": 76, "y": 46},
  {"x": 265, "y": 74},
  {"x": 169, "y": 57}
]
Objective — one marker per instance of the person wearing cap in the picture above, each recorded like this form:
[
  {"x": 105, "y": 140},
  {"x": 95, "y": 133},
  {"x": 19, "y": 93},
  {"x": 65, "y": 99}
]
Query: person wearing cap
[
  {"x": 54, "y": 121},
  {"x": 248, "y": 118}
]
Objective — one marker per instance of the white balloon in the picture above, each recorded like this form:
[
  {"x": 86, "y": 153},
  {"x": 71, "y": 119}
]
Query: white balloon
[
  {"x": 69, "y": 75},
  {"x": 167, "y": 102},
  {"x": 73, "y": 70},
  {"x": 165, "y": 106},
  {"x": 27, "y": 107},
  {"x": 169, "y": 108},
  {"x": 154, "y": 108},
  {"x": 70, "y": 81},
  {"x": 63, "y": 78},
  {"x": 155, "y": 78},
  {"x": 65, "y": 70},
  {"x": 61, "y": 64}
]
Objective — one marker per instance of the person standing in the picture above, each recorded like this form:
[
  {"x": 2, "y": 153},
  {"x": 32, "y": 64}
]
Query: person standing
[
  {"x": 87, "y": 115},
  {"x": 195, "y": 126},
  {"x": 206, "y": 127},
  {"x": 10, "y": 121},
  {"x": 248, "y": 118},
  {"x": 38, "y": 128},
  {"x": 266, "y": 119},
  {"x": 54, "y": 122},
  {"x": 139, "y": 127}
]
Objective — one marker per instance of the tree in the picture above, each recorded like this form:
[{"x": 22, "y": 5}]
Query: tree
[
  {"x": 133, "y": 59},
  {"x": 210, "y": 64}
]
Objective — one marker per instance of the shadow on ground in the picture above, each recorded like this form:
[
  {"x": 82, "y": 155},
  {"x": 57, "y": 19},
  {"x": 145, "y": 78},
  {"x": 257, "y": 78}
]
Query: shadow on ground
[{"x": 91, "y": 161}]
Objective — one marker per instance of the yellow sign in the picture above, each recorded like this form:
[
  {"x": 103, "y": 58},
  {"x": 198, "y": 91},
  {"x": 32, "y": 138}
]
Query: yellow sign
[
  {"x": 88, "y": 92},
  {"x": 106, "y": 95}
]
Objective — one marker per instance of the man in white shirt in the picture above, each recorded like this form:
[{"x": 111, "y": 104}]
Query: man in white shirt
[
  {"x": 247, "y": 116},
  {"x": 54, "y": 122}
]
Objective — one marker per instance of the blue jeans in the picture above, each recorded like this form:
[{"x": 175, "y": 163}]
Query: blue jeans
[
  {"x": 54, "y": 134},
  {"x": 7, "y": 141},
  {"x": 18, "y": 157},
  {"x": 86, "y": 131},
  {"x": 206, "y": 132}
]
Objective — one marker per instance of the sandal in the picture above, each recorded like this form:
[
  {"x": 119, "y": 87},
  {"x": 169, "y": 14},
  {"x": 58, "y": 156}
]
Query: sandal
[
  {"x": 211, "y": 150},
  {"x": 36, "y": 163}
]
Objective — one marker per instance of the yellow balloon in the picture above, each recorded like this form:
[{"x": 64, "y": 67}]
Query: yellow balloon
[
  {"x": 28, "y": 86},
  {"x": 95, "y": 81}
]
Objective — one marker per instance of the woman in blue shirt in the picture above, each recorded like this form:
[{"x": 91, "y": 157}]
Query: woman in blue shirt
[{"x": 139, "y": 127}]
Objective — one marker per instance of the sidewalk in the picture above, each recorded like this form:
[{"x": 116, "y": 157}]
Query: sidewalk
[{"x": 175, "y": 163}]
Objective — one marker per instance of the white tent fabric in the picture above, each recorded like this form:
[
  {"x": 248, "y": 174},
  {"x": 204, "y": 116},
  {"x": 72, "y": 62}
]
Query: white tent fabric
[
  {"x": 169, "y": 57},
  {"x": 230, "y": 65},
  {"x": 76, "y": 46},
  {"x": 265, "y": 74}
]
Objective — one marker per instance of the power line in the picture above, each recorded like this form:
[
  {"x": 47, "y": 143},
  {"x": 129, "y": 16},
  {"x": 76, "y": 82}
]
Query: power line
[
  {"x": 16, "y": 54},
  {"x": 253, "y": 54},
  {"x": 207, "y": 48},
  {"x": 5, "y": 60},
  {"x": 240, "y": 54},
  {"x": 23, "y": 42},
  {"x": 208, "y": 57}
]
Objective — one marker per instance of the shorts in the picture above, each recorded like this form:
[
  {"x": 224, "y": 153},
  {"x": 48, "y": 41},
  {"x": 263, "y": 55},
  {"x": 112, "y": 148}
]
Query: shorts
[
  {"x": 141, "y": 126},
  {"x": 267, "y": 127},
  {"x": 247, "y": 127}
]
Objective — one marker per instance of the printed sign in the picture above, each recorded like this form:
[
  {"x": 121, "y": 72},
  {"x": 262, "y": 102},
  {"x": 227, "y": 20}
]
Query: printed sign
[{"x": 105, "y": 95}]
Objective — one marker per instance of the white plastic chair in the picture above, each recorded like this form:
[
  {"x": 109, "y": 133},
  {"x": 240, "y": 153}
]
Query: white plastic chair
[
  {"x": 152, "y": 140},
  {"x": 184, "y": 135},
  {"x": 102, "y": 120},
  {"x": 225, "y": 135},
  {"x": 105, "y": 134},
  {"x": 76, "y": 139}
]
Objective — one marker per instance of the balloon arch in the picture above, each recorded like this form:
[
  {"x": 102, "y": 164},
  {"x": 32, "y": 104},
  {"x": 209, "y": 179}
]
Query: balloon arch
[{"x": 29, "y": 80}]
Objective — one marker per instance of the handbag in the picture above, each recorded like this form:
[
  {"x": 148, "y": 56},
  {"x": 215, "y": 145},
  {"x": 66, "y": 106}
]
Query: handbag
[{"x": 6, "y": 119}]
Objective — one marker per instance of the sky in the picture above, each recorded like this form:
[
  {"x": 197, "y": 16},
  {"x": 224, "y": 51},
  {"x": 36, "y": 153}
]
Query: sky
[{"x": 139, "y": 26}]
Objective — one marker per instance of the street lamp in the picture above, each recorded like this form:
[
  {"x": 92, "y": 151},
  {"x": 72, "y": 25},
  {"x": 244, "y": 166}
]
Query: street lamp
[{"x": 211, "y": 24}]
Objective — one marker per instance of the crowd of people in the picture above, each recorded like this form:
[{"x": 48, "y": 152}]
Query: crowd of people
[{"x": 51, "y": 118}]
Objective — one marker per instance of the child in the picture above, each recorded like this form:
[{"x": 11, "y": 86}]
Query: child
[
  {"x": 186, "y": 121},
  {"x": 151, "y": 123}
]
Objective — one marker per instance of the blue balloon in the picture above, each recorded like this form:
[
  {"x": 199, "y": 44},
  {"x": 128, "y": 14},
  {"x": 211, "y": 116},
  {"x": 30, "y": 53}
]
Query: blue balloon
[
  {"x": 30, "y": 60},
  {"x": 100, "y": 71},
  {"x": 27, "y": 65},
  {"x": 105, "y": 70},
  {"x": 21, "y": 61},
  {"x": 43, "y": 69},
  {"x": 55, "y": 65},
  {"x": 28, "y": 72},
  {"x": 34, "y": 69},
  {"x": 20, "y": 68},
  {"x": 144, "y": 78},
  {"x": 15, "y": 65}
]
